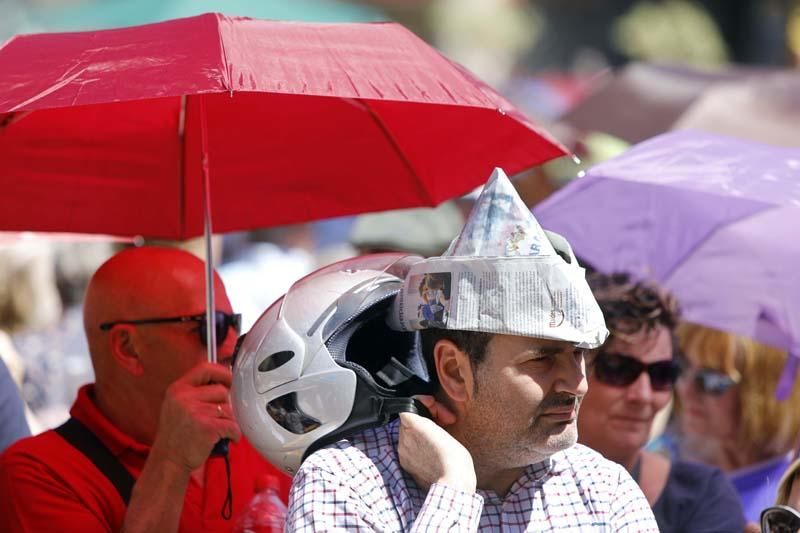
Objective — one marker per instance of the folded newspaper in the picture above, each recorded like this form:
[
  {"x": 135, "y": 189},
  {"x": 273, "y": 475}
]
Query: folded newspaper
[{"x": 502, "y": 274}]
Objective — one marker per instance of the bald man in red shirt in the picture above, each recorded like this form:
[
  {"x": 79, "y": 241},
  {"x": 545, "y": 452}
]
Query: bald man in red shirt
[{"x": 156, "y": 405}]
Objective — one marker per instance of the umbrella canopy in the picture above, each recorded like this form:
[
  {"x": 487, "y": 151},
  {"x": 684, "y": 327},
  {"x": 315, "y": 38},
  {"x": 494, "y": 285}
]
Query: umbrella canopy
[
  {"x": 767, "y": 110},
  {"x": 643, "y": 100},
  {"x": 108, "y": 131},
  {"x": 712, "y": 218}
]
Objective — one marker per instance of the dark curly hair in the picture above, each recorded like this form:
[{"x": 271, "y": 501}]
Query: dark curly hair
[{"x": 630, "y": 307}]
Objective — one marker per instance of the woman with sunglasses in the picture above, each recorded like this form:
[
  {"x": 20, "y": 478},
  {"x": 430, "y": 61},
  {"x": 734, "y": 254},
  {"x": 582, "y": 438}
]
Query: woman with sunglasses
[
  {"x": 631, "y": 379},
  {"x": 729, "y": 415}
]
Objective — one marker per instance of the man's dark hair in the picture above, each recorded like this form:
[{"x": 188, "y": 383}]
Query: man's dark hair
[
  {"x": 472, "y": 342},
  {"x": 630, "y": 307}
]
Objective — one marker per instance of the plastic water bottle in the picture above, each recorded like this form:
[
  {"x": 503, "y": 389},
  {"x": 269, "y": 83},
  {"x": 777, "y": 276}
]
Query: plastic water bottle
[{"x": 266, "y": 512}]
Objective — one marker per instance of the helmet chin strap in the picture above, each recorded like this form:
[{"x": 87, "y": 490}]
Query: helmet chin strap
[
  {"x": 394, "y": 406},
  {"x": 398, "y": 377}
]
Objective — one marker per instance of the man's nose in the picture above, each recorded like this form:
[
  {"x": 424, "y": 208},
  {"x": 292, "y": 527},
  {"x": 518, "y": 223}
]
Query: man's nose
[{"x": 572, "y": 375}]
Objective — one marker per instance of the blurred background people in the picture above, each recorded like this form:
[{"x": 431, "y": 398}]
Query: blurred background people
[
  {"x": 631, "y": 380},
  {"x": 29, "y": 300},
  {"x": 422, "y": 231},
  {"x": 13, "y": 425},
  {"x": 729, "y": 415}
]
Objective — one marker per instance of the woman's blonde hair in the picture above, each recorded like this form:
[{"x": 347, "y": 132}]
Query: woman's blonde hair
[{"x": 767, "y": 426}]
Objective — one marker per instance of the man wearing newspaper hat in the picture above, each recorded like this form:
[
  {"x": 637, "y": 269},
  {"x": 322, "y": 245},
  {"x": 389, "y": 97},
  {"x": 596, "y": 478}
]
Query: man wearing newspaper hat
[{"x": 507, "y": 350}]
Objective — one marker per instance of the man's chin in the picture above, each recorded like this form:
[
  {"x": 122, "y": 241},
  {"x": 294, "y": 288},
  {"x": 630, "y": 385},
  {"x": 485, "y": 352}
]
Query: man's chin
[{"x": 560, "y": 437}]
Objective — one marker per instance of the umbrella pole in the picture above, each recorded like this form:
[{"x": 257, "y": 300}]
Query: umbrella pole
[
  {"x": 221, "y": 447},
  {"x": 211, "y": 330}
]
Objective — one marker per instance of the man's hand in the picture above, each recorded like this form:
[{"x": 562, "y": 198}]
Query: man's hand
[
  {"x": 430, "y": 454},
  {"x": 196, "y": 413},
  {"x": 752, "y": 527}
]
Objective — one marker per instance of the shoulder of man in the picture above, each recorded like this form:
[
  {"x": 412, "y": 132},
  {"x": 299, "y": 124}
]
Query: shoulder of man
[
  {"x": 362, "y": 452},
  {"x": 590, "y": 469},
  {"x": 44, "y": 474},
  {"x": 608, "y": 487},
  {"x": 360, "y": 474},
  {"x": 584, "y": 457}
]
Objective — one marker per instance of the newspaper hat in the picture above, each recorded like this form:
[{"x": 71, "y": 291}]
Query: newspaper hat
[{"x": 502, "y": 274}]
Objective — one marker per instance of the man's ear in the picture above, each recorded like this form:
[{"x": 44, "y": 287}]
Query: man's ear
[
  {"x": 123, "y": 349},
  {"x": 454, "y": 370}
]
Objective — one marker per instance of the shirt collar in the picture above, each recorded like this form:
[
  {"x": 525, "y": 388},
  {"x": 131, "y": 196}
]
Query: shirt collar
[
  {"x": 534, "y": 473},
  {"x": 85, "y": 411}
]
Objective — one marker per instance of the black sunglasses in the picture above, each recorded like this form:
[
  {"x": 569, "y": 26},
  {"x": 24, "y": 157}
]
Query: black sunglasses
[
  {"x": 710, "y": 381},
  {"x": 620, "y": 370},
  {"x": 222, "y": 324},
  {"x": 780, "y": 519}
]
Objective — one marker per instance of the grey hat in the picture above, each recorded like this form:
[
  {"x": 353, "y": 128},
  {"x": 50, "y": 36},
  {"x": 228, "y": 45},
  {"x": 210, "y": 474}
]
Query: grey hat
[{"x": 422, "y": 231}]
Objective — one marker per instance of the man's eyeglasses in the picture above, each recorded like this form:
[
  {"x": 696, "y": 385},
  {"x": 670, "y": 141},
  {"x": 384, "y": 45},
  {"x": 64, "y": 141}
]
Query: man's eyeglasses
[
  {"x": 710, "y": 381},
  {"x": 780, "y": 519},
  {"x": 620, "y": 370},
  {"x": 222, "y": 324}
]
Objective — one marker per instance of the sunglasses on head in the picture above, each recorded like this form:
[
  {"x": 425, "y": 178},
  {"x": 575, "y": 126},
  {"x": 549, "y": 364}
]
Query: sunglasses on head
[
  {"x": 620, "y": 370},
  {"x": 222, "y": 324},
  {"x": 710, "y": 381},
  {"x": 780, "y": 519}
]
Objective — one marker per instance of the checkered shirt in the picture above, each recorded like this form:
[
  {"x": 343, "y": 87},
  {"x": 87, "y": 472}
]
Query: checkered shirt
[{"x": 358, "y": 485}]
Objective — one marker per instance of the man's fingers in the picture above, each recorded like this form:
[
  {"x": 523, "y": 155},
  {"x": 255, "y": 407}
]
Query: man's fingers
[
  {"x": 205, "y": 373},
  {"x": 229, "y": 429},
  {"x": 204, "y": 393},
  {"x": 440, "y": 412}
]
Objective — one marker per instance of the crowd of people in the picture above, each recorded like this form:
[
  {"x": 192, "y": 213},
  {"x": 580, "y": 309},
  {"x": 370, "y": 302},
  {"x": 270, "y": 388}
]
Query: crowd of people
[{"x": 662, "y": 426}]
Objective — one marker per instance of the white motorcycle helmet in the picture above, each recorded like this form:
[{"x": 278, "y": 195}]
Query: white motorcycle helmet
[{"x": 321, "y": 363}]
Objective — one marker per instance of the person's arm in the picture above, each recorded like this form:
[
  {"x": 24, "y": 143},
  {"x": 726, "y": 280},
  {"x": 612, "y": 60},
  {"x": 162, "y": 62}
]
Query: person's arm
[
  {"x": 442, "y": 466},
  {"x": 322, "y": 501},
  {"x": 33, "y": 497},
  {"x": 189, "y": 425},
  {"x": 13, "y": 425},
  {"x": 630, "y": 511}
]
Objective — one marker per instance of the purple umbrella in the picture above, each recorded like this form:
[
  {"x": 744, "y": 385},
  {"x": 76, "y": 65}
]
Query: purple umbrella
[{"x": 712, "y": 218}]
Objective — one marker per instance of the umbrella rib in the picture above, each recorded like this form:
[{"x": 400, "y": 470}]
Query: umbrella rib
[
  {"x": 182, "y": 165},
  {"x": 682, "y": 260},
  {"x": 423, "y": 193}
]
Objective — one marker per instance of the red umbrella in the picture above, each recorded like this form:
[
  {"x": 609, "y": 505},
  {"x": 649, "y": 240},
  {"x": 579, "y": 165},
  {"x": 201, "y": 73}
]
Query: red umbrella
[
  {"x": 120, "y": 131},
  {"x": 104, "y": 131}
]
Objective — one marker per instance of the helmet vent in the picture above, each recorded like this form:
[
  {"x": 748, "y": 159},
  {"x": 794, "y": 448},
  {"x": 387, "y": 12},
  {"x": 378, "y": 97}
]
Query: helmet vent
[
  {"x": 285, "y": 411},
  {"x": 275, "y": 360}
]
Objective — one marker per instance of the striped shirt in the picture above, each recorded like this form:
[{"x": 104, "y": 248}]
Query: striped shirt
[{"x": 358, "y": 485}]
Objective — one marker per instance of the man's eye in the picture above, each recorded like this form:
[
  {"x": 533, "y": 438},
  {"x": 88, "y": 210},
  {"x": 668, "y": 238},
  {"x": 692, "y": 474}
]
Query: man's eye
[{"x": 540, "y": 359}]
